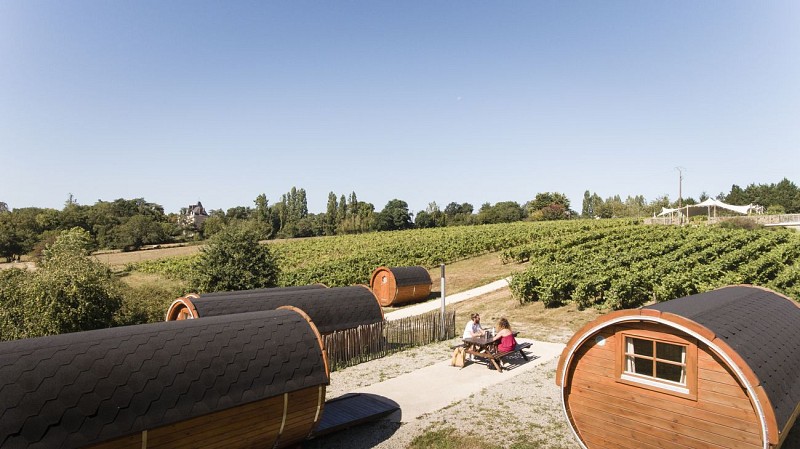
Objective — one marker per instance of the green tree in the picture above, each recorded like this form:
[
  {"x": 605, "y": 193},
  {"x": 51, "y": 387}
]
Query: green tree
[
  {"x": 458, "y": 214},
  {"x": 394, "y": 216},
  {"x": 137, "y": 231},
  {"x": 547, "y": 199},
  {"x": 436, "y": 214},
  {"x": 330, "y": 215},
  {"x": 352, "y": 209},
  {"x": 785, "y": 194},
  {"x": 586, "y": 208},
  {"x": 424, "y": 220},
  {"x": 341, "y": 211},
  {"x": 69, "y": 292},
  {"x": 501, "y": 212},
  {"x": 214, "y": 224},
  {"x": 19, "y": 232},
  {"x": 234, "y": 260},
  {"x": 238, "y": 213},
  {"x": 553, "y": 212},
  {"x": 263, "y": 216},
  {"x": 292, "y": 208}
]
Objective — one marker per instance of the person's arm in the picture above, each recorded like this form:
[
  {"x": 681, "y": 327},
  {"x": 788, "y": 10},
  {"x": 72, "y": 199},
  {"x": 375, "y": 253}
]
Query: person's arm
[{"x": 501, "y": 334}]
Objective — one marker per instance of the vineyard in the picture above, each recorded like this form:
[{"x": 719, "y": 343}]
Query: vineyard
[
  {"x": 620, "y": 268},
  {"x": 350, "y": 259},
  {"x": 606, "y": 263}
]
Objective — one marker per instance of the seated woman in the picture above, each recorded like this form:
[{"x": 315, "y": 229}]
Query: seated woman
[{"x": 506, "y": 337}]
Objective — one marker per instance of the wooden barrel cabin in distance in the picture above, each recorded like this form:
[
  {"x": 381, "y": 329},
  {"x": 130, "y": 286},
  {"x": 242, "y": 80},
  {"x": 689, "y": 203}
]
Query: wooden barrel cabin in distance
[
  {"x": 331, "y": 309},
  {"x": 713, "y": 370},
  {"x": 394, "y": 286},
  {"x": 235, "y": 381},
  {"x": 183, "y": 308}
]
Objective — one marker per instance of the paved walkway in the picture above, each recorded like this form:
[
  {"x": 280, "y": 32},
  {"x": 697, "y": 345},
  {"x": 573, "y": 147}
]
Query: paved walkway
[
  {"x": 428, "y": 306},
  {"x": 434, "y": 387},
  {"x": 439, "y": 385}
]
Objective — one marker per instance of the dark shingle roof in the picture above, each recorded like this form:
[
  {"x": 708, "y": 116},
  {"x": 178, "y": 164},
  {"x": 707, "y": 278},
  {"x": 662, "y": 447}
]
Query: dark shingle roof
[
  {"x": 83, "y": 388},
  {"x": 762, "y": 327},
  {"x": 265, "y": 291},
  {"x": 404, "y": 276},
  {"x": 330, "y": 309}
]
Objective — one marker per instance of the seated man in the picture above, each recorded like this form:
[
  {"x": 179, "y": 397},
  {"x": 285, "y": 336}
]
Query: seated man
[{"x": 473, "y": 327}]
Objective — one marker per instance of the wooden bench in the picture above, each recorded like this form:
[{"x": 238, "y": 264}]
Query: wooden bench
[
  {"x": 496, "y": 358},
  {"x": 518, "y": 348}
]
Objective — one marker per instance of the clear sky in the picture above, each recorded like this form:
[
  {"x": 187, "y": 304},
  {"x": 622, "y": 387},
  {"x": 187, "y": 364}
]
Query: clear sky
[{"x": 465, "y": 101}]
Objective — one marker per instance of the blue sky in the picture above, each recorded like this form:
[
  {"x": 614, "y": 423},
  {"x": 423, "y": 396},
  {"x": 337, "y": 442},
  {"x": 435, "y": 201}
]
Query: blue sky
[{"x": 424, "y": 101}]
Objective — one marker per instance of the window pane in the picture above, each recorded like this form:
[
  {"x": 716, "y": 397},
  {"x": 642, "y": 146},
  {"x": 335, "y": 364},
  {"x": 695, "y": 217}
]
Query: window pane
[
  {"x": 643, "y": 367},
  {"x": 642, "y": 347},
  {"x": 666, "y": 351},
  {"x": 669, "y": 372}
]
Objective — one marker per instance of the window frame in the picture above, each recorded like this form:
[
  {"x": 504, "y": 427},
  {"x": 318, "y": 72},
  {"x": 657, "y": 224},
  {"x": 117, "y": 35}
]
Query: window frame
[{"x": 687, "y": 391}]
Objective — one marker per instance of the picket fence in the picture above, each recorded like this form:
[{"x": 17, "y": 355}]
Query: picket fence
[{"x": 353, "y": 346}]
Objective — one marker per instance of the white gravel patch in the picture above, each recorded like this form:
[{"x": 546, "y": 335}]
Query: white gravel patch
[{"x": 532, "y": 402}]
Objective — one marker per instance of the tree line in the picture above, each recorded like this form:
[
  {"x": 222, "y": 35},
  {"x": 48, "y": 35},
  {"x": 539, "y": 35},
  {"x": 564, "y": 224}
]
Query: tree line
[
  {"x": 780, "y": 198},
  {"x": 130, "y": 224}
]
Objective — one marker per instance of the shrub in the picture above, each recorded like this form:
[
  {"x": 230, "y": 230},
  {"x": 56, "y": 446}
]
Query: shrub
[
  {"x": 69, "y": 292},
  {"x": 523, "y": 287},
  {"x": 145, "y": 304},
  {"x": 739, "y": 223},
  {"x": 12, "y": 307},
  {"x": 234, "y": 260}
]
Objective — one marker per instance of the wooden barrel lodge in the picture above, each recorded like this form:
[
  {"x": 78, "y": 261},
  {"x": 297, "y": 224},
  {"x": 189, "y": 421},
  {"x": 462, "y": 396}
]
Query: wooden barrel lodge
[
  {"x": 180, "y": 310},
  {"x": 712, "y": 370},
  {"x": 330, "y": 309},
  {"x": 394, "y": 286},
  {"x": 270, "y": 290},
  {"x": 247, "y": 380}
]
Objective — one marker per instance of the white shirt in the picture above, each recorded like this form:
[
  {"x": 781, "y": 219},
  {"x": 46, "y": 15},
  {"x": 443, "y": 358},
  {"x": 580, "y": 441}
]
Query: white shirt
[{"x": 471, "y": 328}]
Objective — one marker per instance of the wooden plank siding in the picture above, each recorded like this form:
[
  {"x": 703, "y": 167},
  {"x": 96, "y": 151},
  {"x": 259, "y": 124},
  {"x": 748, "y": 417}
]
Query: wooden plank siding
[
  {"x": 129, "y": 442},
  {"x": 302, "y": 408},
  {"x": 257, "y": 424},
  {"x": 611, "y": 414}
]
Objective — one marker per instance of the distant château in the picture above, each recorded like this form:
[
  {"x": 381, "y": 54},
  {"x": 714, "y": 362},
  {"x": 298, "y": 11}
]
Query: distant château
[{"x": 194, "y": 216}]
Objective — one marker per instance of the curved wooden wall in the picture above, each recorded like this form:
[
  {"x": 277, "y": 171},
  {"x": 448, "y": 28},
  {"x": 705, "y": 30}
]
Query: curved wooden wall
[
  {"x": 395, "y": 286},
  {"x": 608, "y": 414},
  {"x": 604, "y": 413}
]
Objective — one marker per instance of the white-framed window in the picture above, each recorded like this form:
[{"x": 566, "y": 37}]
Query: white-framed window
[{"x": 661, "y": 362}]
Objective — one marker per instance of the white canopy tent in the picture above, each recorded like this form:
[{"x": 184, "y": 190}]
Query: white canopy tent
[{"x": 711, "y": 206}]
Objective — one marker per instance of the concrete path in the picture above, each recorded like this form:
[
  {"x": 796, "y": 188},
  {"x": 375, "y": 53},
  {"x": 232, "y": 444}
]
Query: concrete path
[
  {"x": 436, "y": 304},
  {"x": 434, "y": 387}
]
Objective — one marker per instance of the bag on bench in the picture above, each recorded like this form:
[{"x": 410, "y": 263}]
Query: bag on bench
[{"x": 459, "y": 356}]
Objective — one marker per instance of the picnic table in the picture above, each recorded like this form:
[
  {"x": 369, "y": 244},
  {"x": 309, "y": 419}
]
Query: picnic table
[{"x": 485, "y": 348}]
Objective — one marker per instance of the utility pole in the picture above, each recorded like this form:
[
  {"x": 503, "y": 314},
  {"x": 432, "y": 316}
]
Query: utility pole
[
  {"x": 444, "y": 327},
  {"x": 680, "y": 188}
]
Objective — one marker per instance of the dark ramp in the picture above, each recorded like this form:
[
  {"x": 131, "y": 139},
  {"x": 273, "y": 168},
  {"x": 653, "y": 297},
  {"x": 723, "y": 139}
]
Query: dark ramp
[{"x": 353, "y": 409}]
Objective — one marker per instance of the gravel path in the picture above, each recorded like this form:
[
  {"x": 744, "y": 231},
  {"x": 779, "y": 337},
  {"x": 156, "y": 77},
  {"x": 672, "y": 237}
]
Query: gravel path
[{"x": 533, "y": 398}]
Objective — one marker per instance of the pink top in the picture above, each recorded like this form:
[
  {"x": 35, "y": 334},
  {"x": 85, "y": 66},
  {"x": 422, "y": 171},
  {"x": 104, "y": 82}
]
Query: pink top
[{"x": 507, "y": 343}]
